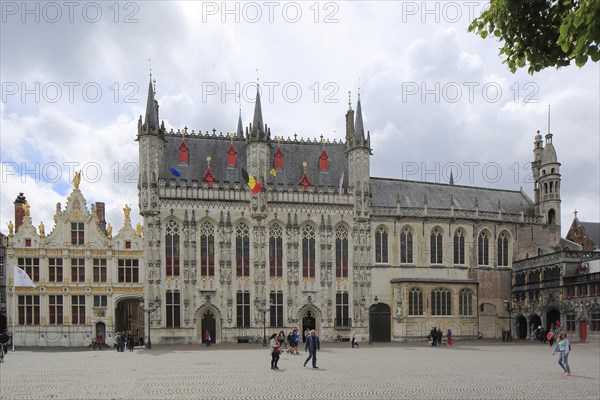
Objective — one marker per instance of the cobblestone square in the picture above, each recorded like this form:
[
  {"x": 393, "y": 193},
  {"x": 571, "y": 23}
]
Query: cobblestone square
[{"x": 379, "y": 371}]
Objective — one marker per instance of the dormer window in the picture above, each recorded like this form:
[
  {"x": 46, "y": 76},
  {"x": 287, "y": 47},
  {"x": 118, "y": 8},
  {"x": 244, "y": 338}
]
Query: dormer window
[
  {"x": 278, "y": 159},
  {"x": 184, "y": 154},
  {"x": 231, "y": 156},
  {"x": 324, "y": 161}
]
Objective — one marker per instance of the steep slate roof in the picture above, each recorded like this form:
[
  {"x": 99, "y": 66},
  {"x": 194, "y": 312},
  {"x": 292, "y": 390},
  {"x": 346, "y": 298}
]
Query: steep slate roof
[
  {"x": 412, "y": 195},
  {"x": 200, "y": 147},
  {"x": 593, "y": 231},
  {"x": 294, "y": 154}
]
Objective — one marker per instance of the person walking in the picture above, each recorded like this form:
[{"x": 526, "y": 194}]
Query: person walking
[
  {"x": 123, "y": 340},
  {"x": 564, "y": 347},
  {"x": 130, "y": 341},
  {"x": 312, "y": 345},
  {"x": 274, "y": 350},
  {"x": 118, "y": 341},
  {"x": 207, "y": 338},
  {"x": 449, "y": 336},
  {"x": 296, "y": 341},
  {"x": 353, "y": 339}
]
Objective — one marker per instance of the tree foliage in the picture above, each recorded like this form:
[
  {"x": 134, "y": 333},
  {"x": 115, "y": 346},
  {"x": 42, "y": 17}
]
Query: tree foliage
[{"x": 542, "y": 33}]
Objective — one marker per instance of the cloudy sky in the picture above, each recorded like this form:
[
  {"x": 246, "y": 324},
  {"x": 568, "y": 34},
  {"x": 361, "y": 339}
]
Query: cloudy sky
[{"x": 434, "y": 97}]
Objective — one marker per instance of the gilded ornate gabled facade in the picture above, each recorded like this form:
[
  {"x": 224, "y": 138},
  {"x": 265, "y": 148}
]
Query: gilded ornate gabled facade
[
  {"x": 88, "y": 282},
  {"x": 320, "y": 243},
  {"x": 563, "y": 286}
]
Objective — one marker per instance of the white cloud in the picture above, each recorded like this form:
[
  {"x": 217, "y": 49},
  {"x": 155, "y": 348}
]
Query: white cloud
[{"x": 426, "y": 89}]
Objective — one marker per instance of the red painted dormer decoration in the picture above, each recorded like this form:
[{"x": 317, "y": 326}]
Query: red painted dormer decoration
[
  {"x": 231, "y": 156},
  {"x": 304, "y": 181},
  {"x": 209, "y": 177},
  {"x": 324, "y": 161},
  {"x": 184, "y": 154},
  {"x": 278, "y": 159}
]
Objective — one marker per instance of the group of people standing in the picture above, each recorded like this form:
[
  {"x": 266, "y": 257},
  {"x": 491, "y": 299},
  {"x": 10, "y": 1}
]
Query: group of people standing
[
  {"x": 123, "y": 339},
  {"x": 436, "y": 335},
  {"x": 312, "y": 344}
]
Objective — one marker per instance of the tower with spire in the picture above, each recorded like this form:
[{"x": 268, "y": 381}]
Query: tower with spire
[
  {"x": 359, "y": 159},
  {"x": 546, "y": 175},
  {"x": 257, "y": 143},
  {"x": 151, "y": 138}
]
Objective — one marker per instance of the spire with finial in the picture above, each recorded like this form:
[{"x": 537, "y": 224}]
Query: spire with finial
[
  {"x": 151, "y": 119},
  {"x": 349, "y": 122},
  {"x": 359, "y": 136},
  {"x": 451, "y": 178},
  {"x": 258, "y": 127},
  {"x": 240, "y": 127}
]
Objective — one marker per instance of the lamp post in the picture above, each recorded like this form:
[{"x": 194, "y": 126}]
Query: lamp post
[
  {"x": 509, "y": 308},
  {"x": 264, "y": 311},
  {"x": 154, "y": 305}
]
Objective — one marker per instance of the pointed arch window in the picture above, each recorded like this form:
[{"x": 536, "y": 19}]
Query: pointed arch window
[
  {"x": 503, "y": 250},
  {"x": 231, "y": 156},
  {"x": 483, "y": 249},
  {"x": 275, "y": 251},
  {"x": 415, "y": 302},
  {"x": 436, "y": 246},
  {"x": 441, "y": 302},
  {"x": 184, "y": 153},
  {"x": 459, "y": 247},
  {"x": 308, "y": 252},
  {"x": 341, "y": 252},
  {"x": 465, "y": 302},
  {"x": 172, "y": 249},
  {"x": 323, "y": 161},
  {"x": 381, "y": 246},
  {"x": 406, "y": 246},
  {"x": 207, "y": 249},
  {"x": 242, "y": 250}
]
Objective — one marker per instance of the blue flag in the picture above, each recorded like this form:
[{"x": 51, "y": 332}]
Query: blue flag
[{"x": 175, "y": 172}]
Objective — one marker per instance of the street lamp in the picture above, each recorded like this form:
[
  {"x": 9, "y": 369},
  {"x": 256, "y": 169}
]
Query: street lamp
[
  {"x": 154, "y": 305},
  {"x": 264, "y": 310},
  {"x": 509, "y": 308}
]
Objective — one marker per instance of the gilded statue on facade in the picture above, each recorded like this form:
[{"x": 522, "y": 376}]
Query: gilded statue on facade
[
  {"x": 139, "y": 229},
  {"x": 126, "y": 211},
  {"x": 109, "y": 230},
  {"x": 77, "y": 179},
  {"x": 11, "y": 228},
  {"x": 26, "y": 208},
  {"x": 42, "y": 229}
]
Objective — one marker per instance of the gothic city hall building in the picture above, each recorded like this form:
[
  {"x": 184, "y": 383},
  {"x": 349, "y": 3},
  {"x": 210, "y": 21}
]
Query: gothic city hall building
[{"x": 246, "y": 232}]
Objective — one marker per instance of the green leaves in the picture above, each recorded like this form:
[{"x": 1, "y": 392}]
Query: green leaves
[{"x": 542, "y": 33}]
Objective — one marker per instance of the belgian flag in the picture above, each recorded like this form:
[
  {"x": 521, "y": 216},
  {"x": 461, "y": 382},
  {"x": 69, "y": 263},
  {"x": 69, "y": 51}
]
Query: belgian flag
[{"x": 251, "y": 182}]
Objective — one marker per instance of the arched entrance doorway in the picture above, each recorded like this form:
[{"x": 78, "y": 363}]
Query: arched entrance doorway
[
  {"x": 380, "y": 323},
  {"x": 129, "y": 317},
  {"x": 552, "y": 316},
  {"x": 209, "y": 323},
  {"x": 308, "y": 323},
  {"x": 521, "y": 327},
  {"x": 101, "y": 331},
  {"x": 535, "y": 326}
]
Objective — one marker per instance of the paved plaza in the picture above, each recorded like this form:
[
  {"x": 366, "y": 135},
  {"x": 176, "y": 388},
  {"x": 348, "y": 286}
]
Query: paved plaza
[{"x": 242, "y": 371}]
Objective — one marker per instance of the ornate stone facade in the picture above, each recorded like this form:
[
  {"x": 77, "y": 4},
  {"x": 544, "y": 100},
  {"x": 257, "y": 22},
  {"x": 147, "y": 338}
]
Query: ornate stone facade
[
  {"x": 88, "y": 282},
  {"x": 563, "y": 286},
  {"x": 324, "y": 245}
]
